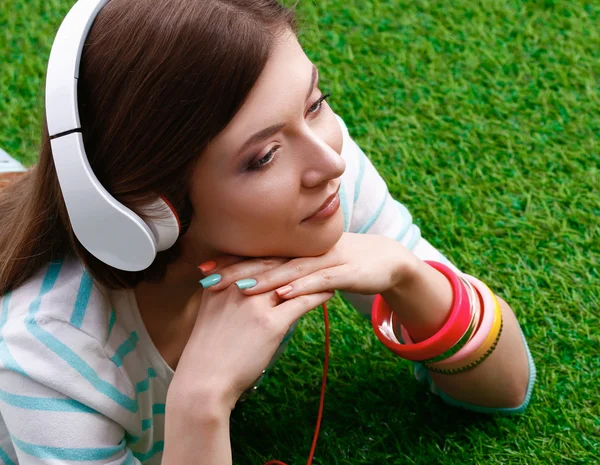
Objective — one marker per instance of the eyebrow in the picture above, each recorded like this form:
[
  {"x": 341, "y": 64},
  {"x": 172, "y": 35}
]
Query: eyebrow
[{"x": 267, "y": 132}]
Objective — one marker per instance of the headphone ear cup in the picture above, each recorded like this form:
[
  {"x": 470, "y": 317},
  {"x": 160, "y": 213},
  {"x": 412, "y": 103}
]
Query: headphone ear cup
[{"x": 167, "y": 226}]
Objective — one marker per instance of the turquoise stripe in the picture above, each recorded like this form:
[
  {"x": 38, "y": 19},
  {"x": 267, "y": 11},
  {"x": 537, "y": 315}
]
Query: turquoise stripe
[
  {"x": 4, "y": 314},
  {"x": 5, "y": 356},
  {"x": 78, "y": 364},
  {"x": 144, "y": 385},
  {"x": 406, "y": 221},
  {"x": 48, "y": 404},
  {"x": 8, "y": 361},
  {"x": 125, "y": 348},
  {"x": 158, "y": 409},
  {"x": 64, "y": 352},
  {"x": 48, "y": 282},
  {"x": 375, "y": 215},
  {"x": 344, "y": 202},
  {"x": 414, "y": 238},
  {"x": 27, "y": 402},
  {"x": 111, "y": 322},
  {"x": 83, "y": 297},
  {"x": 422, "y": 374},
  {"x": 82, "y": 454},
  {"x": 129, "y": 459},
  {"x": 156, "y": 448},
  {"x": 361, "y": 174},
  {"x": 146, "y": 424},
  {"x": 5, "y": 458},
  {"x": 131, "y": 439}
]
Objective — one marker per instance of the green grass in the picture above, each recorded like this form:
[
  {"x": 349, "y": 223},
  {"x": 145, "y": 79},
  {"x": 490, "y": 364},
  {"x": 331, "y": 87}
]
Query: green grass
[{"x": 484, "y": 119}]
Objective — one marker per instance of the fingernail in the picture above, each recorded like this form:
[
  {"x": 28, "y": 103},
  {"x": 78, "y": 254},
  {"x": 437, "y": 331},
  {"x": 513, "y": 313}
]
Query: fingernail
[
  {"x": 245, "y": 283},
  {"x": 210, "y": 280},
  {"x": 207, "y": 266},
  {"x": 284, "y": 290}
]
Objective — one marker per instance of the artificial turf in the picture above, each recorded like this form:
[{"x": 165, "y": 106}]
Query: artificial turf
[{"x": 483, "y": 117}]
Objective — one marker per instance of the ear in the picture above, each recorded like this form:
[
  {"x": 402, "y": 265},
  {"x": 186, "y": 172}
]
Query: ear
[{"x": 167, "y": 226}]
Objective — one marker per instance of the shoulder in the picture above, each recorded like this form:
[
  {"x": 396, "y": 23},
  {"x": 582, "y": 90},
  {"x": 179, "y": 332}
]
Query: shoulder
[
  {"x": 63, "y": 292},
  {"x": 53, "y": 333}
]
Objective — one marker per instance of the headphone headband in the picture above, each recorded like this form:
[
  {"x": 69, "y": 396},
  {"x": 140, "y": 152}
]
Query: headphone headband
[{"x": 106, "y": 228}]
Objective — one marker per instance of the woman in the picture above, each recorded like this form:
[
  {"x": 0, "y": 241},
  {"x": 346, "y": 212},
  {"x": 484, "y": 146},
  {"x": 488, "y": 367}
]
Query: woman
[{"x": 214, "y": 105}]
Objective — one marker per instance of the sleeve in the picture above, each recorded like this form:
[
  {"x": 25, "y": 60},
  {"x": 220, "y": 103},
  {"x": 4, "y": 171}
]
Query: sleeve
[
  {"x": 369, "y": 208},
  {"x": 61, "y": 398}
]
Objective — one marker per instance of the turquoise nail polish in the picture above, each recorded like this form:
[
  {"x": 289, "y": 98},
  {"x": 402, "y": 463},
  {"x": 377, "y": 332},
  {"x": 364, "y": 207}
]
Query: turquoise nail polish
[
  {"x": 246, "y": 283},
  {"x": 210, "y": 280}
]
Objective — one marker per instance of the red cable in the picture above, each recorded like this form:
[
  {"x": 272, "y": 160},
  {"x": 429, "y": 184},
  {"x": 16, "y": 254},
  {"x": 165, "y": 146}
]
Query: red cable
[{"x": 322, "y": 401}]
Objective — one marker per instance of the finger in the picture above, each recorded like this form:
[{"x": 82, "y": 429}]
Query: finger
[
  {"x": 245, "y": 270},
  {"x": 294, "y": 269},
  {"x": 211, "y": 266},
  {"x": 327, "y": 279},
  {"x": 291, "y": 310}
]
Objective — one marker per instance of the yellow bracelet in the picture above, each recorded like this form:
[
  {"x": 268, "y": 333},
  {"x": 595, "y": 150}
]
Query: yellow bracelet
[
  {"x": 472, "y": 364},
  {"x": 481, "y": 353}
]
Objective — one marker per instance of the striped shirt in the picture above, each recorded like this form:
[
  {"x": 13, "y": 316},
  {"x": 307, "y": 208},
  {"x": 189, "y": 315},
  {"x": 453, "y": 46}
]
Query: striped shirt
[{"x": 81, "y": 381}]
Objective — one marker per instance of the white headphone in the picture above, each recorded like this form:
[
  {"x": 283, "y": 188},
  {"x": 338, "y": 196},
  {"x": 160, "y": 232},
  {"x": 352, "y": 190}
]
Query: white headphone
[{"x": 107, "y": 229}]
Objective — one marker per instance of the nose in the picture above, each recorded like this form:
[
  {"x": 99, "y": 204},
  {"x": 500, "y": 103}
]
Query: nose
[{"x": 323, "y": 163}]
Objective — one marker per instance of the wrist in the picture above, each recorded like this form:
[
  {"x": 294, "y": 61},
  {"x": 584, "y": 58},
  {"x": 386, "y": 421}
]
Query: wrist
[
  {"x": 196, "y": 431},
  {"x": 204, "y": 401},
  {"x": 421, "y": 302}
]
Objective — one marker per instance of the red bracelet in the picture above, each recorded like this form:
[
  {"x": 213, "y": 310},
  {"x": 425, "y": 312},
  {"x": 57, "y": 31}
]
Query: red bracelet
[{"x": 454, "y": 327}]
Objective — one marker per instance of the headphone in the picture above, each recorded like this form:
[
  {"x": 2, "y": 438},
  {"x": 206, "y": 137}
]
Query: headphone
[{"x": 106, "y": 228}]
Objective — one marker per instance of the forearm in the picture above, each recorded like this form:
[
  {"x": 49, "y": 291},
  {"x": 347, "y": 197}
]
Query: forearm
[
  {"x": 422, "y": 304},
  {"x": 200, "y": 438}
]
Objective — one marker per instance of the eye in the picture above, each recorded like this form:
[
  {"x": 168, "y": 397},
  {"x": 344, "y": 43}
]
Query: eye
[
  {"x": 269, "y": 157},
  {"x": 264, "y": 160},
  {"x": 318, "y": 105}
]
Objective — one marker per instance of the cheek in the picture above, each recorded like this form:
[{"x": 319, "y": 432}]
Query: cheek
[{"x": 246, "y": 218}]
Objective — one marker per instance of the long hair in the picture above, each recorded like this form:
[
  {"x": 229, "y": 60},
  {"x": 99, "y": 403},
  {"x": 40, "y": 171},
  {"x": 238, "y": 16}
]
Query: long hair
[{"x": 159, "y": 79}]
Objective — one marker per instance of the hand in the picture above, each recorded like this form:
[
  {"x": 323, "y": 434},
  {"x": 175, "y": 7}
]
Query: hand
[
  {"x": 360, "y": 263},
  {"x": 234, "y": 338}
]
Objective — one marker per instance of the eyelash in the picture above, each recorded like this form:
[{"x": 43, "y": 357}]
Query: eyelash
[{"x": 260, "y": 164}]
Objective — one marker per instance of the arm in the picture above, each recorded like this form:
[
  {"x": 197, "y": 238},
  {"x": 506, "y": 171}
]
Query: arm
[
  {"x": 502, "y": 380},
  {"x": 505, "y": 379},
  {"x": 204, "y": 440},
  {"x": 52, "y": 413},
  {"x": 63, "y": 401}
]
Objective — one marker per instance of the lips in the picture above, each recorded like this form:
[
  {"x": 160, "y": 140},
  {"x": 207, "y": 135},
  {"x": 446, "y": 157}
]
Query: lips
[{"x": 328, "y": 201}]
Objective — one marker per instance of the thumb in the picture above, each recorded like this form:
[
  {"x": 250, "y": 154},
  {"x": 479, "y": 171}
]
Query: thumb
[{"x": 292, "y": 309}]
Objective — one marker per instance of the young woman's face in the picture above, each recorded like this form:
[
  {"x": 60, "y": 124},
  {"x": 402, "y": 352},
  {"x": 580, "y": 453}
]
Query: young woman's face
[{"x": 256, "y": 195}]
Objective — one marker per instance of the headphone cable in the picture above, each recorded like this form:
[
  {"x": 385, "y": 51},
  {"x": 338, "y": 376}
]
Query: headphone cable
[{"x": 322, "y": 400}]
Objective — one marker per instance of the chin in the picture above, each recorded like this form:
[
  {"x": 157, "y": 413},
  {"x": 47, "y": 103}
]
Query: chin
[
  {"x": 310, "y": 242},
  {"x": 322, "y": 239}
]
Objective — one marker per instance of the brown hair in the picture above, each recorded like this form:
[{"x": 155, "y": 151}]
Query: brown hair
[{"x": 158, "y": 80}]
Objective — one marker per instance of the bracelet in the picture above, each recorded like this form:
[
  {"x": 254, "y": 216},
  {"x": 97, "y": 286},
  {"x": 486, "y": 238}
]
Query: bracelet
[
  {"x": 471, "y": 331},
  {"x": 489, "y": 319},
  {"x": 454, "y": 371},
  {"x": 454, "y": 328},
  {"x": 465, "y": 363},
  {"x": 476, "y": 303}
]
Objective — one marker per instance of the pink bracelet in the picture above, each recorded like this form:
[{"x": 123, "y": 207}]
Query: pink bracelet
[
  {"x": 477, "y": 304},
  {"x": 452, "y": 331},
  {"x": 487, "y": 322},
  {"x": 475, "y": 301}
]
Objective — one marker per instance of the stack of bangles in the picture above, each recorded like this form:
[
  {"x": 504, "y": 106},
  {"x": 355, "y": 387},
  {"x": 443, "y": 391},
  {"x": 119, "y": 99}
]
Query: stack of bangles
[{"x": 469, "y": 334}]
